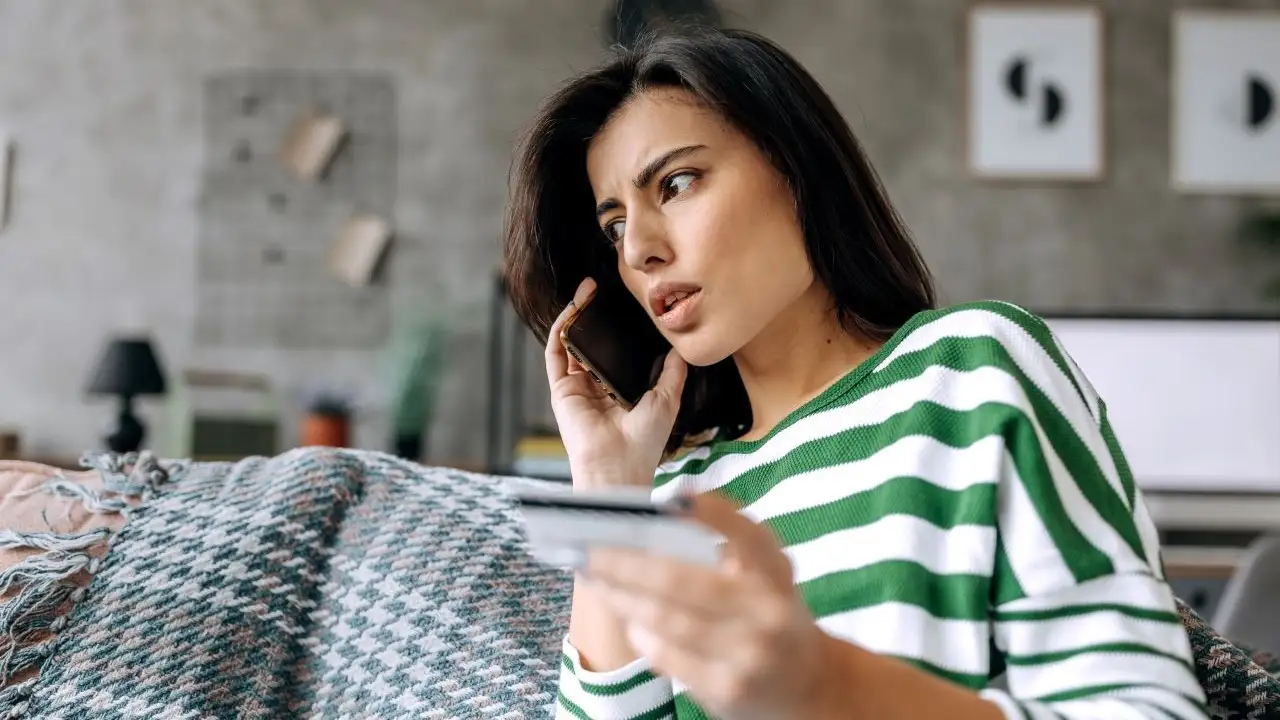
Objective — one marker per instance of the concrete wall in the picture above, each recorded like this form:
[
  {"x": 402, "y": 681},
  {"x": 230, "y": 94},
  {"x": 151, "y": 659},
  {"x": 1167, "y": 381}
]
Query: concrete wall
[
  {"x": 104, "y": 102},
  {"x": 896, "y": 68}
]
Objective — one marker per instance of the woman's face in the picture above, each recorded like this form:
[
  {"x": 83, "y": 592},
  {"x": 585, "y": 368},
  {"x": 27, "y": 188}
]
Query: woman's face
[{"x": 706, "y": 230}]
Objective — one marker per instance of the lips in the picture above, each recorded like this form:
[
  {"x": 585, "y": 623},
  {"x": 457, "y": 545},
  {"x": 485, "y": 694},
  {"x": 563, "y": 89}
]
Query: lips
[
  {"x": 675, "y": 305},
  {"x": 670, "y": 301},
  {"x": 667, "y": 297}
]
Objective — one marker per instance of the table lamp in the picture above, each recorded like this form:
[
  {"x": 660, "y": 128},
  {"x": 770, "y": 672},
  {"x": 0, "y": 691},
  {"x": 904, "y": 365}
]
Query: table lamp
[{"x": 128, "y": 368}]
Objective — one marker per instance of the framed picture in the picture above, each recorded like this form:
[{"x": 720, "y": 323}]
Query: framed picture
[
  {"x": 1035, "y": 102},
  {"x": 1226, "y": 101}
]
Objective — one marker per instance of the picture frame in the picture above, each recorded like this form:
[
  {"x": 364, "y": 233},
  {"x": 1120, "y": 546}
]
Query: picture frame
[
  {"x": 1035, "y": 91},
  {"x": 1225, "y": 109}
]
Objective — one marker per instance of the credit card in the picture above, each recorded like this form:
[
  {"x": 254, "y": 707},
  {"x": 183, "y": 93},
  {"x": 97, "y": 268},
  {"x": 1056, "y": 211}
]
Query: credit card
[{"x": 564, "y": 526}]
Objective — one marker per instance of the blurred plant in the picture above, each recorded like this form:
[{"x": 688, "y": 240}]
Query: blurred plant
[
  {"x": 1263, "y": 230},
  {"x": 413, "y": 367}
]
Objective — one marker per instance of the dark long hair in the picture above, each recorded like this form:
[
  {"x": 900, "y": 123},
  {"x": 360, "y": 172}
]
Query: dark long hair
[{"x": 856, "y": 241}]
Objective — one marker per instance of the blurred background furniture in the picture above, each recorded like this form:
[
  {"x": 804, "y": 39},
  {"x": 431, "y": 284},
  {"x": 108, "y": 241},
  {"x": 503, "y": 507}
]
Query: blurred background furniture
[
  {"x": 1250, "y": 604},
  {"x": 521, "y": 437},
  {"x": 223, "y": 415},
  {"x": 128, "y": 368}
]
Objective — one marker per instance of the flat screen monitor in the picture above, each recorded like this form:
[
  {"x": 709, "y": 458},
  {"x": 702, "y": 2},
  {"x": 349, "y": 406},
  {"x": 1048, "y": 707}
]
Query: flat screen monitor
[{"x": 1195, "y": 403}]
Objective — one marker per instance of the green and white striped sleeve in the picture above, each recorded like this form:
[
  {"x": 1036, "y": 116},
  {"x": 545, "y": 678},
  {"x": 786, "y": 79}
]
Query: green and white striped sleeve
[
  {"x": 1083, "y": 619},
  {"x": 628, "y": 693}
]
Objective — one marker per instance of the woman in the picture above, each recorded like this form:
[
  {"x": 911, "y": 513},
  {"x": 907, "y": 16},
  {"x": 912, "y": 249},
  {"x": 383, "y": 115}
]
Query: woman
[{"x": 914, "y": 500}]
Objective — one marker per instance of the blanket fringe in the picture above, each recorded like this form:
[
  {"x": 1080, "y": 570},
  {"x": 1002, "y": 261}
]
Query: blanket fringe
[
  {"x": 92, "y": 500},
  {"x": 14, "y": 698},
  {"x": 38, "y": 593},
  {"x": 133, "y": 474}
]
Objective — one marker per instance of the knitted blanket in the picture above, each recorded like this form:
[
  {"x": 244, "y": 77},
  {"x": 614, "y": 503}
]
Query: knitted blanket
[
  {"x": 324, "y": 584},
  {"x": 319, "y": 584},
  {"x": 1239, "y": 681}
]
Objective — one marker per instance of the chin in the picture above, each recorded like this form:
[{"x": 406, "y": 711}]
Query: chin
[{"x": 702, "y": 349}]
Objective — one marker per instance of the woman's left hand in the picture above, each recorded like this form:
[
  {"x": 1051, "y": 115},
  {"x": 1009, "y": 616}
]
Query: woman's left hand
[{"x": 738, "y": 635}]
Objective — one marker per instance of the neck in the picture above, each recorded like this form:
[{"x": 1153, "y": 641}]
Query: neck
[{"x": 803, "y": 352}]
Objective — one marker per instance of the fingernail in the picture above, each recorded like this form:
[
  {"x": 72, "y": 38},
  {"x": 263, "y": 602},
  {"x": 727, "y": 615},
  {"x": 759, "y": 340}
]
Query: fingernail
[{"x": 585, "y": 290}]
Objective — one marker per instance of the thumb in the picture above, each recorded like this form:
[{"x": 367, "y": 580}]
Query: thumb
[{"x": 670, "y": 383}]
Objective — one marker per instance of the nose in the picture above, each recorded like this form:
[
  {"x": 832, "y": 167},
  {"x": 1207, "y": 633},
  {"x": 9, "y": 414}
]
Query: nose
[{"x": 645, "y": 243}]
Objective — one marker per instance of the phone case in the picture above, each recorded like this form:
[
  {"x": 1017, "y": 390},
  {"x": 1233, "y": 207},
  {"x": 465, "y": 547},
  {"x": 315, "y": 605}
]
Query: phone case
[{"x": 587, "y": 365}]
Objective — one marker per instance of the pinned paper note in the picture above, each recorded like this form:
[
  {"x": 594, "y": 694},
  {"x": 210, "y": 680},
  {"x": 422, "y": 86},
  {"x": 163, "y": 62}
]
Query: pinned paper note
[
  {"x": 359, "y": 247},
  {"x": 312, "y": 143}
]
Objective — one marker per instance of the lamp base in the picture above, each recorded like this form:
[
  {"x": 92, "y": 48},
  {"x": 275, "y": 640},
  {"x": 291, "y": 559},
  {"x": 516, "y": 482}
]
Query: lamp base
[{"x": 129, "y": 432}]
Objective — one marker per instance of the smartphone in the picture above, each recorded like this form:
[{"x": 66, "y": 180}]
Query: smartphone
[
  {"x": 562, "y": 526},
  {"x": 612, "y": 337}
]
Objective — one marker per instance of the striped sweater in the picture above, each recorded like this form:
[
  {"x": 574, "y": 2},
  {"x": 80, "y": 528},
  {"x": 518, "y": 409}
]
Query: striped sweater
[{"x": 958, "y": 501}]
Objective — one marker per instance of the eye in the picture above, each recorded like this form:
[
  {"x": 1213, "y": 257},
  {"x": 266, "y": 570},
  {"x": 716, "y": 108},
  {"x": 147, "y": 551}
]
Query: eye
[
  {"x": 614, "y": 231},
  {"x": 677, "y": 183}
]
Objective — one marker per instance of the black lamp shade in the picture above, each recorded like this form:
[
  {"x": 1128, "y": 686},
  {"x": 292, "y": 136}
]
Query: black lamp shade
[{"x": 128, "y": 367}]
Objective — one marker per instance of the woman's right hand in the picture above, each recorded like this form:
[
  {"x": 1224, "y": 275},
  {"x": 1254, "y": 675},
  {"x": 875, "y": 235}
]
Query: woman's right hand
[{"x": 607, "y": 445}]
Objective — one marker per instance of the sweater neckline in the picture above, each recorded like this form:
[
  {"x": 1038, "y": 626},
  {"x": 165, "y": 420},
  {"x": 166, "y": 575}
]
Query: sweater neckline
[{"x": 843, "y": 385}]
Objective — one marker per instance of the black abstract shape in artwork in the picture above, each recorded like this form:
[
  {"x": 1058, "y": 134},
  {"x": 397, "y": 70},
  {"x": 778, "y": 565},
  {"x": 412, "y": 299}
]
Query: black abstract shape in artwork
[
  {"x": 1016, "y": 78},
  {"x": 1053, "y": 106},
  {"x": 1260, "y": 102},
  {"x": 626, "y": 21}
]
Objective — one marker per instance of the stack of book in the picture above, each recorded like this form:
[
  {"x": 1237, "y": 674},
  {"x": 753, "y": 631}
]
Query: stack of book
[{"x": 541, "y": 456}]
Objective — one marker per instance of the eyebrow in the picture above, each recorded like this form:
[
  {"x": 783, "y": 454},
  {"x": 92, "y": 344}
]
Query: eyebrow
[{"x": 646, "y": 174}]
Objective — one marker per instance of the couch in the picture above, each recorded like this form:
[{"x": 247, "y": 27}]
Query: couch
[{"x": 319, "y": 583}]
